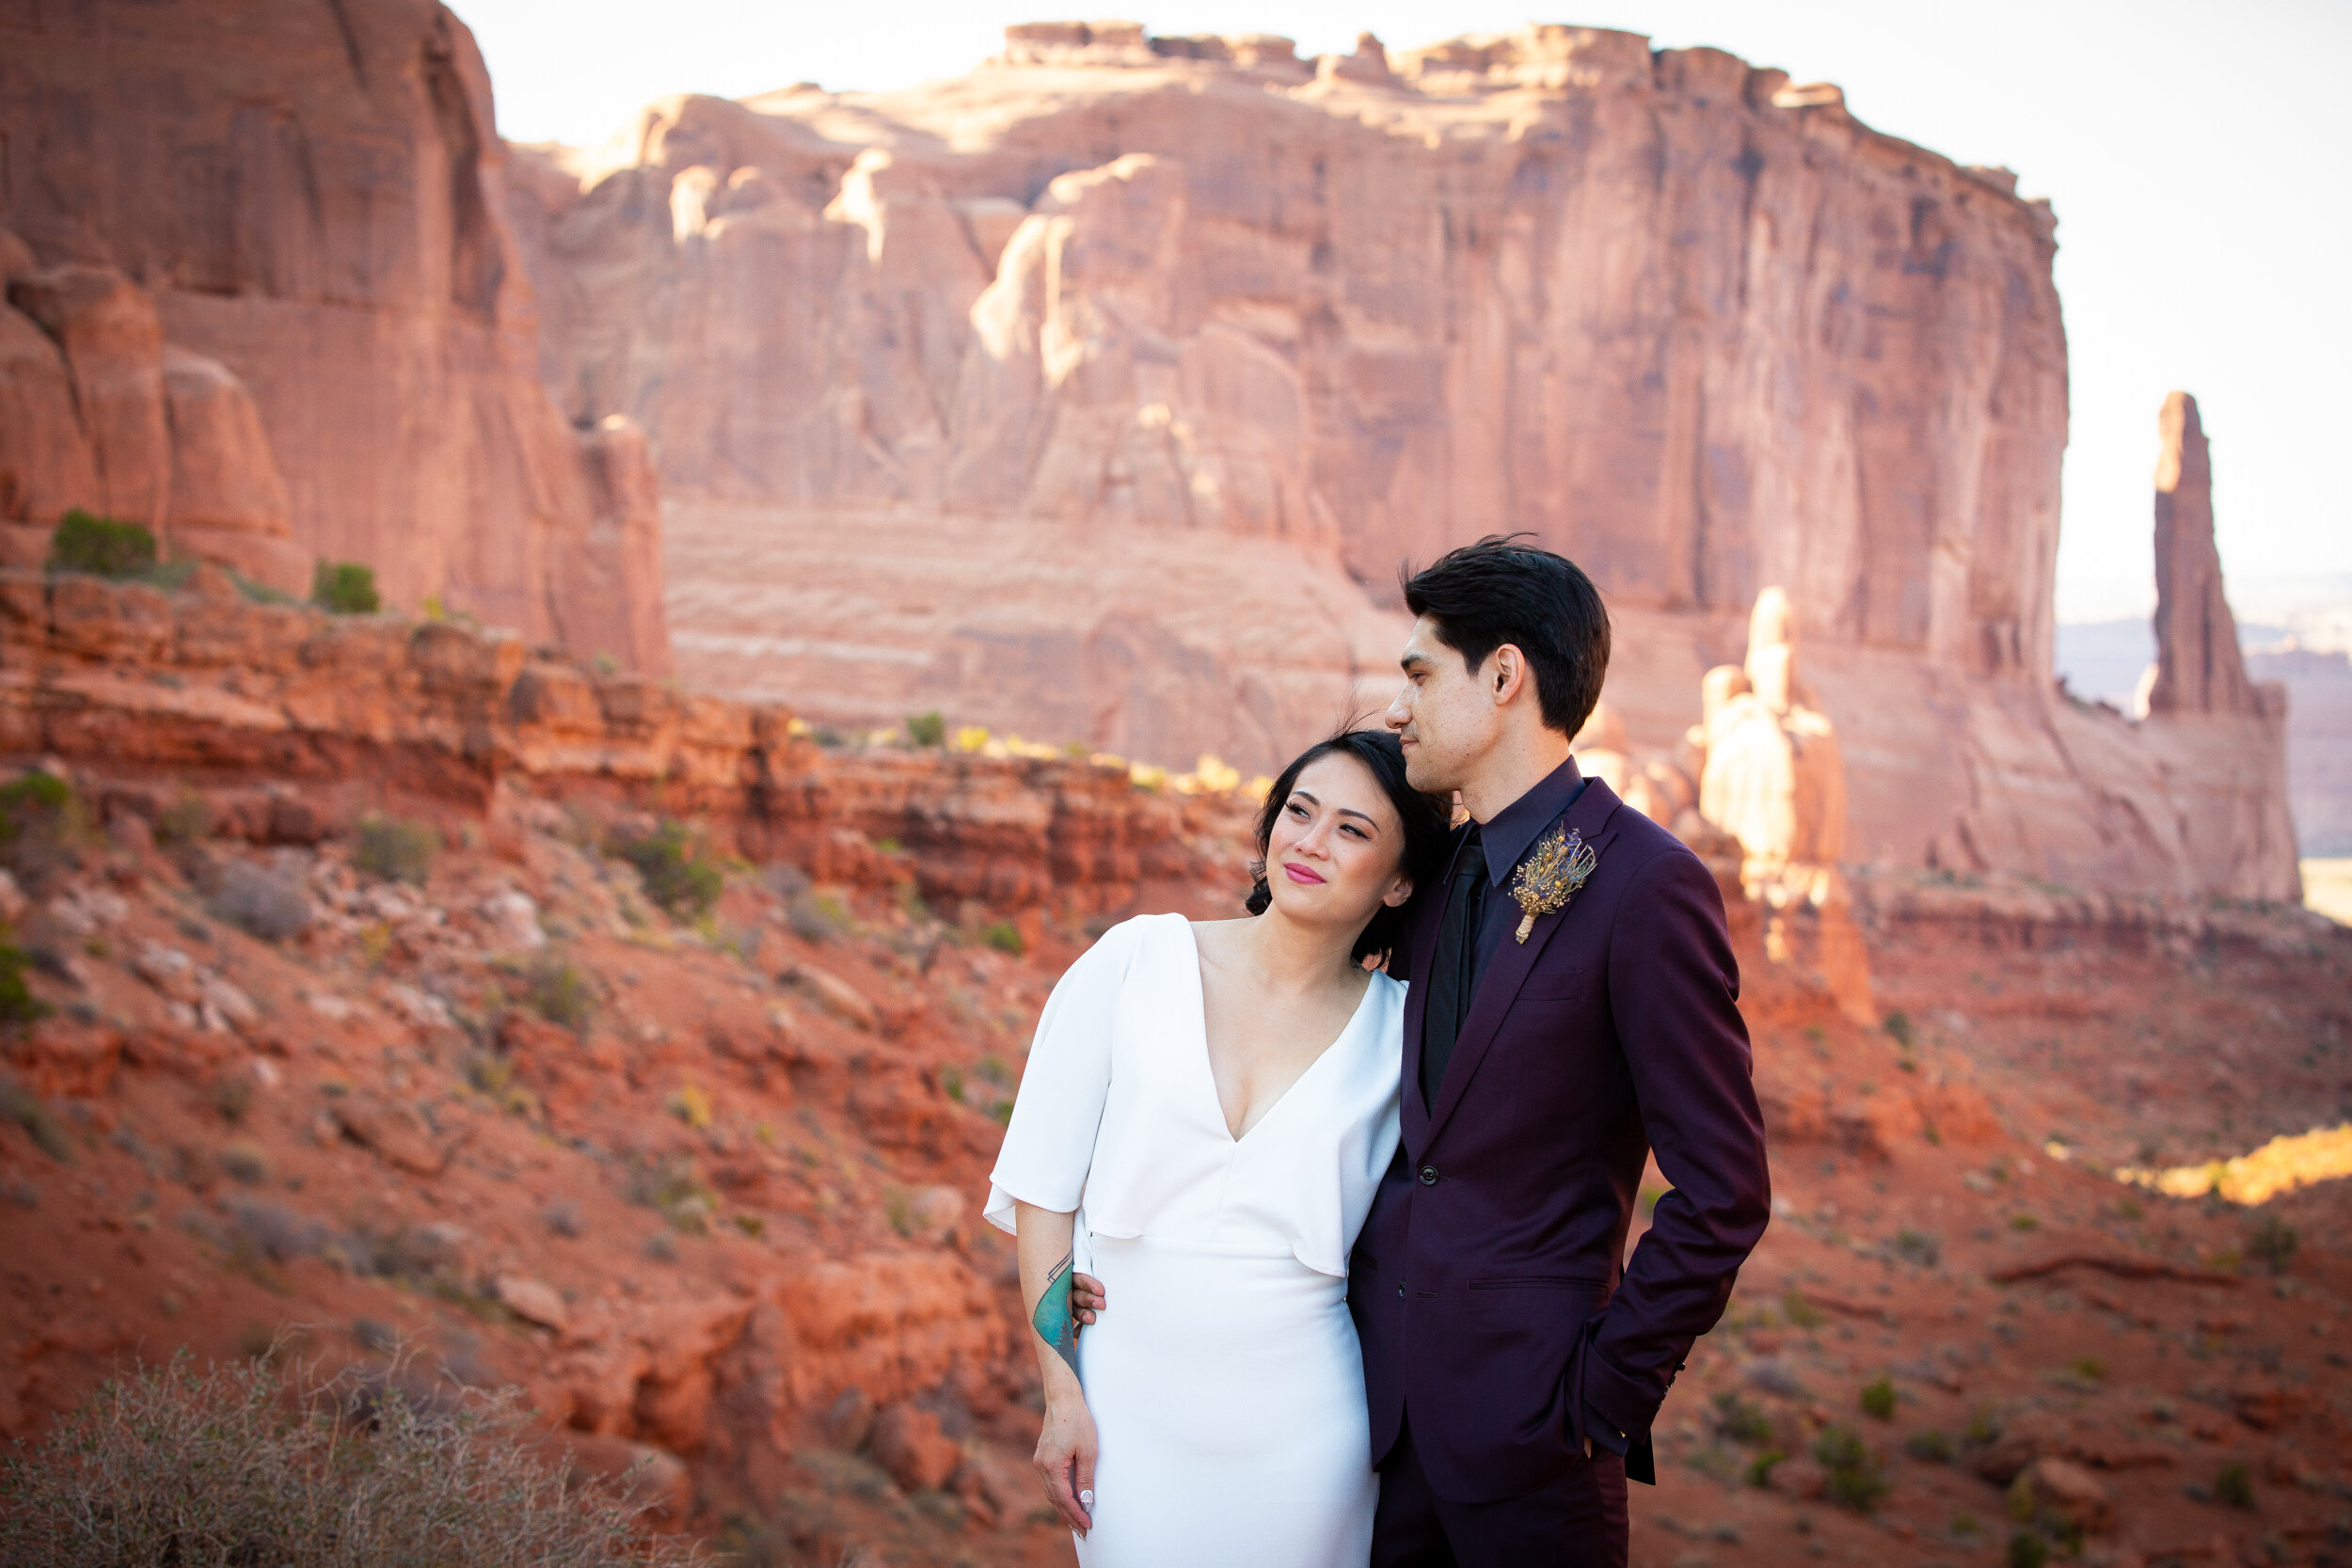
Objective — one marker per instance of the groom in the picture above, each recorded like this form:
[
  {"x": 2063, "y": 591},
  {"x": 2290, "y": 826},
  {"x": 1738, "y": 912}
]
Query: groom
[{"x": 1571, "y": 1011}]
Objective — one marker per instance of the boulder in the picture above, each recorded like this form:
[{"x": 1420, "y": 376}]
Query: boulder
[{"x": 909, "y": 1443}]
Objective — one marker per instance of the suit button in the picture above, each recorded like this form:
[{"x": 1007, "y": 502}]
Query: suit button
[
  {"x": 1400, "y": 1290},
  {"x": 1428, "y": 1176}
]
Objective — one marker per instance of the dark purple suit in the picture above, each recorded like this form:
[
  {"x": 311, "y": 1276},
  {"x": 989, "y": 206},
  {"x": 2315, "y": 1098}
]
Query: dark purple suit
[{"x": 1485, "y": 1283}]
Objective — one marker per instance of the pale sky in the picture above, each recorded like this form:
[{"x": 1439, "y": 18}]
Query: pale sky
[{"x": 2200, "y": 158}]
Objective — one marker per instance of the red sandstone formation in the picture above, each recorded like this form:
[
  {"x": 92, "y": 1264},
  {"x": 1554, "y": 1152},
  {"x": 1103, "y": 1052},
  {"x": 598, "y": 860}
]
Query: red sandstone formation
[
  {"x": 1037, "y": 395},
  {"x": 281, "y": 314},
  {"x": 2199, "y": 668}
]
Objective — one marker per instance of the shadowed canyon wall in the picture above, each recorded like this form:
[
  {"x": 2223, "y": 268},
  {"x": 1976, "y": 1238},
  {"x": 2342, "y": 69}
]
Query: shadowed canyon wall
[
  {"x": 1103, "y": 389},
  {"x": 266, "y": 300}
]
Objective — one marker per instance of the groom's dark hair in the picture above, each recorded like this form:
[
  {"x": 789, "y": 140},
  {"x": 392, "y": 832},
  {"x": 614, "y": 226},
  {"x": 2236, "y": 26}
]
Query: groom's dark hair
[{"x": 1499, "y": 591}]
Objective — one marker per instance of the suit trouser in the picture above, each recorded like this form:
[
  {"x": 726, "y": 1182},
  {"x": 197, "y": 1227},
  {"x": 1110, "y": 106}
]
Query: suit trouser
[{"x": 1576, "y": 1521}]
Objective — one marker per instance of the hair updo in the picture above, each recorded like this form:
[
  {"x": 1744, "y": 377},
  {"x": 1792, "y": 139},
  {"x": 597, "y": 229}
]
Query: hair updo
[{"x": 1427, "y": 820}]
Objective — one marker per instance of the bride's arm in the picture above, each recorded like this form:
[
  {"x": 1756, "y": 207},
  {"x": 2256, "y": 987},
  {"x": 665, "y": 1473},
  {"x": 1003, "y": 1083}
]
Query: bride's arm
[{"x": 1065, "y": 1447}]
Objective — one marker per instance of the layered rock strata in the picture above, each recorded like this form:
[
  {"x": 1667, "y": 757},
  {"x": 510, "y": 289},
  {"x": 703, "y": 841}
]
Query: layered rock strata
[
  {"x": 293, "y": 321},
  {"x": 1096, "y": 396},
  {"x": 316, "y": 719}
]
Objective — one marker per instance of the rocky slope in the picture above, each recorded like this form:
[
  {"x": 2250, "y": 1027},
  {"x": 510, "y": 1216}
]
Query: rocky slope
[
  {"x": 703, "y": 1183},
  {"x": 264, "y": 298}
]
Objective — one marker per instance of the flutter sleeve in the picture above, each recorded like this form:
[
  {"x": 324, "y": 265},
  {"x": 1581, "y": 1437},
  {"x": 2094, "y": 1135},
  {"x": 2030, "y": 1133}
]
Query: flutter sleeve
[{"x": 1049, "y": 1146}]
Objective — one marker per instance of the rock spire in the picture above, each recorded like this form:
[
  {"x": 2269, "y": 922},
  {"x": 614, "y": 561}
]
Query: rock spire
[{"x": 2198, "y": 667}]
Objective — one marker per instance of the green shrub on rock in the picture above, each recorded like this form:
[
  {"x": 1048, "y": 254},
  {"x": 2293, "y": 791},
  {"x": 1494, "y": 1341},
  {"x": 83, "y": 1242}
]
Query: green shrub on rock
[
  {"x": 345, "y": 588},
  {"x": 676, "y": 868},
  {"x": 100, "y": 547},
  {"x": 396, "y": 849}
]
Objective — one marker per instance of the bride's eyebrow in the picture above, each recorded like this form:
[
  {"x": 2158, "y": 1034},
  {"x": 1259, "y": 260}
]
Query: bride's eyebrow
[{"x": 1362, "y": 817}]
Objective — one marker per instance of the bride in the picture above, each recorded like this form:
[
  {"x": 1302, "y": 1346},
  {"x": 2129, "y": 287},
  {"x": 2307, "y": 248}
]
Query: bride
[{"x": 1204, "y": 1114}]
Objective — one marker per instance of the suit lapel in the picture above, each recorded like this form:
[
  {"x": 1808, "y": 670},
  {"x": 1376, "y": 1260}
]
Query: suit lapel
[
  {"x": 1513, "y": 962},
  {"x": 1424, "y": 952}
]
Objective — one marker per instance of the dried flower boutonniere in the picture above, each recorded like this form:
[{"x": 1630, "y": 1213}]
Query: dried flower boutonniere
[{"x": 1548, "y": 879}]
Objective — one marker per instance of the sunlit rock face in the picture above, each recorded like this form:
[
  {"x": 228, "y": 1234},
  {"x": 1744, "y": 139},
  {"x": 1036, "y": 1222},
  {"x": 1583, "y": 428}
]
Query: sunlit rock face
[{"x": 299, "y": 306}]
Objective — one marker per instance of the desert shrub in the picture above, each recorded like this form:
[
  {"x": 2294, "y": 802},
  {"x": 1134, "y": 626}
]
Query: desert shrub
[
  {"x": 1932, "y": 1447},
  {"x": 100, "y": 547},
  {"x": 396, "y": 849},
  {"x": 1917, "y": 1246},
  {"x": 41, "y": 820},
  {"x": 675, "y": 1190},
  {"x": 1003, "y": 936},
  {"x": 172, "y": 1465},
  {"x": 232, "y": 1096},
  {"x": 816, "y": 917},
  {"x": 1854, "y": 1478},
  {"x": 1741, "y": 1421},
  {"x": 1759, "y": 1469},
  {"x": 1878, "y": 1398},
  {"x": 1899, "y": 1027},
  {"x": 186, "y": 820},
  {"x": 559, "y": 992},
  {"x": 927, "y": 729},
  {"x": 2090, "y": 1369},
  {"x": 2233, "y": 1486},
  {"x": 27, "y": 1109},
  {"x": 344, "y": 588},
  {"x": 244, "y": 1161},
  {"x": 2027, "y": 1550},
  {"x": 2272, "y": 1244},
  {"x": 18, "y": 1005},
  {"x": 674, "y": 865},
  {"x": 261, "y": 903}
]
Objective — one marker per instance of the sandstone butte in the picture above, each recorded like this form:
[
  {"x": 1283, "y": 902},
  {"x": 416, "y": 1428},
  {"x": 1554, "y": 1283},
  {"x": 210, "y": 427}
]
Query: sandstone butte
[
  {"x": 1097, "y": 395},
  {"x": 262, "y": 298}
]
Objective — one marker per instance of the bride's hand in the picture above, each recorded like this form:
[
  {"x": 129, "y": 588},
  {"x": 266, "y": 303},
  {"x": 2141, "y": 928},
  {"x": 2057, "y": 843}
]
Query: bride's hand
[{"x": 1065, "y": 1457}]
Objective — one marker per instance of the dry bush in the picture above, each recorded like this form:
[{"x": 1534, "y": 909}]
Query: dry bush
[
  {"x": 170, "y": 1466},
  {"x": 260, "y": 902}
]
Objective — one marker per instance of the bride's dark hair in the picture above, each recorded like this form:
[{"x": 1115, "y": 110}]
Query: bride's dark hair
[{"x": 1427, "y": 819}]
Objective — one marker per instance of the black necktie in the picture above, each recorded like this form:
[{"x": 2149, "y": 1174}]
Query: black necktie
[{"x": 1454, "y": 968}]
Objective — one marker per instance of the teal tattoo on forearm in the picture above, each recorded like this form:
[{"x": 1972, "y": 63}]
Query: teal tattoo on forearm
[{"x": 1052, "y": 1319}]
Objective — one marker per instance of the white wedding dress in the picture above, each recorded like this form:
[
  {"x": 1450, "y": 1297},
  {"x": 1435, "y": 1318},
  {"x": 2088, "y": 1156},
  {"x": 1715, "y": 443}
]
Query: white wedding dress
[{"x": 1224, "y": 1377}]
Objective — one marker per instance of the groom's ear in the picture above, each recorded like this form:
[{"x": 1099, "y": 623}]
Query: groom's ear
[{"x": 1506, "y": 672}]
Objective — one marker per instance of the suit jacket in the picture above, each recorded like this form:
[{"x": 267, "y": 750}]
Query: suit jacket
[{"x": 1485, "y": 1283}]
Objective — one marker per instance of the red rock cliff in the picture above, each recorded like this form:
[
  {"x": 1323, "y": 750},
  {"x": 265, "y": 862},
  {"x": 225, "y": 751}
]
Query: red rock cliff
[{"x": 310, "y": 196}]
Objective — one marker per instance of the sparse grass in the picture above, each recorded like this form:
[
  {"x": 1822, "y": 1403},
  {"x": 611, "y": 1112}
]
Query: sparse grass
[
  {"x": 100, "y": 547},
  {"x": 1800, "y": 1313},
  {"x": 557, "y": 990},
  {"x": 675, "y": 867},
  {"x": 1878, "y": 1398},
  {"x": 42, "y": 822},
  {"x": 2022, "y": 1222},
  {"x": 345, "y": 588},
  {"x": 2272, "y": 1242},
  {"x": 1917, "y": 1246},
  {"x": 396, "y": 849},
  {"x": 261, "y": 903},
  {"x": 170, "y": 1464},
  {"x": 27, "y": 1109},
  {"x": 1931, "y": 1446},
  {"x": 18, "y": 1005},
  {"x": 2233, "y": 1486},
  {"x": 817, "y": 917},
  {"x": 1854, "y": 1479},
  {"x": 2090, "y": 1368},
  {"x": 951, "y": 1083},
  {"x": 232, "y": 1096},
  {"x": 1741, "y": 1421},
  {"x": 1005, "y": 937}
]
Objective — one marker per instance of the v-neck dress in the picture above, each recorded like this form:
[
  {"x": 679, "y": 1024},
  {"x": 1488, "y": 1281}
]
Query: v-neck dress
[{"x": 1225, "y": 1379}]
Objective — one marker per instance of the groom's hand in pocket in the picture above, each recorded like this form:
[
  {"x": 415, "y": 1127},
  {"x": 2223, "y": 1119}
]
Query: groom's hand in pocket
[{"x": 1086, "y": 1298}]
